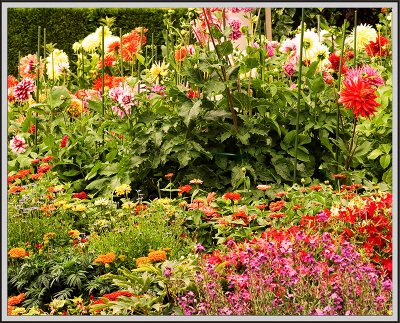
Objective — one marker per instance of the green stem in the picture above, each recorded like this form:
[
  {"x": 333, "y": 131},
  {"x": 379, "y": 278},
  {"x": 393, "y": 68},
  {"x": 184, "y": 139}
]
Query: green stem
[
  {"x": 37, "y": 88},
  {"x": 298, "y": 95},
  {"x": 355, "y": 38},
  {"x": 338, "y": 107},
  {"x": 351, "y": 144},
  {"x": 19, "y": 60}
]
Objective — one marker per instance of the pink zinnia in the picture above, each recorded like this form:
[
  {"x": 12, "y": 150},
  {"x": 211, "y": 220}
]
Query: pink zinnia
[
  {"x": 18, "y": 144},
  {"x": 359, "y": 96},
  {"x": 23, "y": 89}
]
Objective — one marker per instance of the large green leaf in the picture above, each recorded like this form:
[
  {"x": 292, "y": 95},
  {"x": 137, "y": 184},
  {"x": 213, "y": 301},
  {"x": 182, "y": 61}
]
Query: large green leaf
[
  {"x": 385, "y": 161},
  {"x": 190, "y": 111},
  {"x": 225, "y": 48}
]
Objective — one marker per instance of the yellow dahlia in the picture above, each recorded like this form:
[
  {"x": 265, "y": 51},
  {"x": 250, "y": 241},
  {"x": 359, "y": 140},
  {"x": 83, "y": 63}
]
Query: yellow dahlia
[
  {"x": 56, "y": 63},
  {"x": 90, "y": 42},
  {"x": 75, "y": 109}
]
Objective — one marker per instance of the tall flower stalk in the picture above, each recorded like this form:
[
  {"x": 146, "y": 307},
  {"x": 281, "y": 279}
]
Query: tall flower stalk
[{"x": 37, "y": 87}]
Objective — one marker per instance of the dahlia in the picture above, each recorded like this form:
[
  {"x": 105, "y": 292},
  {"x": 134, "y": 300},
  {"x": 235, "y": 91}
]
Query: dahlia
[
  {"x": 80, "y": 195},
  {"x": 43, "y": 169},
  {"x": 18, "y": 145},
  {"x": 359, "y": 96},
  {"x": 131, "y": 44},
  {"x": 109, "y": 60},
  {"x": 27, "y": 66},
  {"x": 56, "y": 63},
  {"x": 11, "y": 81},
  {"x": 365, "y": 34},
  {"x": 114, "y": 295},
  {"x": 263, "y": 187},
  {"x": 23, "y": 89},
  {"x": 91, "y": 42},
  {"x": 235, "y": 24},
  {"x": 15, "y": 300},
  {"x": 328, "y": 78},
  {"x": 111, "y": 43},
  {"x": 76, "y": 108},
  {"x": 377, "y": 47},
  {"x": 368, "y": 74},
  {"x": 289, "y": 69},
  {"x": 180, "y": 54},
  {"x": 99, "y": 32}
]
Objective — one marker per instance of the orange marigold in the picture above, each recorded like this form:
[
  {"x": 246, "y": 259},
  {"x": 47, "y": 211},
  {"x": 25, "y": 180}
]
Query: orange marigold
[
  {"x": 158, "y": 255},
  {"x": 142, "y": 261},
  {"x": 17, "y": 253},
  {"x": 15, "y": 300},
  {"x": 106, "y": 259}
]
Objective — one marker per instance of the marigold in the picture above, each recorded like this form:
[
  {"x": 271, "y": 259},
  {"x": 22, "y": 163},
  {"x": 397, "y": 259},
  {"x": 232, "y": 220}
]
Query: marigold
[
  {"x": 74, "y": 233},
  {"x": 106, "y": 259},
  {"x": 142, "y": 261},
  {"x": 36, "y": 176},
  {"x": 158, "y": 255},
  {"x": 17, "y": 253},
  {"x": 15, "y": 300}
]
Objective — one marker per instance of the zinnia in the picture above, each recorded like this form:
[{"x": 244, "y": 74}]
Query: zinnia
[
  {"x": 359, "y": 96},
  {"x": 23, "y": 89},
  {"x": 184, "y": 189},
  {"x": 64, "y": 141},
  {"x": 232, "y": 196},
  {"x": 18, "y": 145}
]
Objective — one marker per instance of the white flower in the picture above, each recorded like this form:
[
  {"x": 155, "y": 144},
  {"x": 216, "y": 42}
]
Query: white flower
[
  {"x": 101, "y": 201},
  {"x": 18, "y": 145},
  {"x": 109, "y": 40},
  {"x": 365, "y": 34},
  {"x": 76, "y": 47},
  {"x": 253, "y": 73},
  {"x": 91, "y": 42},
  {"x": 107, "y": 33},
  {"x": 59, "y": 60}
]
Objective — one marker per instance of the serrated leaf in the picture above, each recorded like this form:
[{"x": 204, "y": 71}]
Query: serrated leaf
[
  {"x": 283, "y": 168},
  {"x": 213, "y": 87},
  {"x": 140, "y": 58},
  {"x": 97, "y": 184}
]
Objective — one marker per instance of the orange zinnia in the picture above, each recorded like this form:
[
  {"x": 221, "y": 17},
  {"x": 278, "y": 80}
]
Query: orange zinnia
[
  {"x": 17, "y": 253},
  {"x": 158, "y": 255}
]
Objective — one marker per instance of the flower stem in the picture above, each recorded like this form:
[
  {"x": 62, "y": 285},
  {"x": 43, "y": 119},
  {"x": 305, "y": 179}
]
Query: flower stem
[{"x": 351, "y": 145}]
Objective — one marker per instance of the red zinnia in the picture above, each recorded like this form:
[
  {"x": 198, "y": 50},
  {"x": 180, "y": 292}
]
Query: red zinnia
[
  {"x": 47, "y": 158},
  {"x": 44, "y": 169},
  {"x": 80, "y": 195},
  {"x": 232, "y": 196},
  {"x": 184, "y": 189},
  {"x": 359, "y": 96},
  {"x": 193, "y": 94}
]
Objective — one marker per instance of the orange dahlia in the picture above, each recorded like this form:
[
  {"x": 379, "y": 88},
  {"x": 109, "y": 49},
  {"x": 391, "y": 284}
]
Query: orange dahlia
[{"x": 27, "y": 66}]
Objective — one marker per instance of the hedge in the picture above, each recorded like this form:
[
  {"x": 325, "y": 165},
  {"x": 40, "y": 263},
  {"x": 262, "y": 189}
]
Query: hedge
[{"x": 65, "y": 26}]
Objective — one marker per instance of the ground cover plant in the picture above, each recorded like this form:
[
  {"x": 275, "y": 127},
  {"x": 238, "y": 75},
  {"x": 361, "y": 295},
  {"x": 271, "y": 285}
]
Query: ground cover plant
[{"x": 228, "y": 174}]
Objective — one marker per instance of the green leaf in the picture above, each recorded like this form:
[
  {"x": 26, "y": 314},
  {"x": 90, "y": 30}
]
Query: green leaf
[
  {"x": 375, "y": 154},
  {"x": 59, "y": 95},
  {"x": 93, "y": 171},
  {"x": 215, "y": 114},
  {"x": 290, "y": 137},
  {"x": 302, "y": 153},
  {"x": 283, "y": 167},
  {"x": 97, "y": 184},
  {"x": 225, "y": 48},
  {"x": 189, "y": 111},
  {"x": 311, "y": 70},
  {"x": 140, "y": 58},
  {"x": 213, "y": 87},
  {"x": 385, "y": 161},
  {"x": 362, "y": 149},
  {"x": 72, "y": 172},
  {"x": 387, "y": 148},
  {"x": 110, "y": 170}
]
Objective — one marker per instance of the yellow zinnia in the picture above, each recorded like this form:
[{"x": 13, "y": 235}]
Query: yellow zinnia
[{"x": 123, "y": 189}]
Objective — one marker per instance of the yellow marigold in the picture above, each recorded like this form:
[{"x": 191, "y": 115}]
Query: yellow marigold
[
  {"x": 15, "y": 300},
  {"x": 75, "y": 109},
  {"x": 142, "y": 261},
  {"x": 158, "y": 255},
  {"x": 18, "y": 310},
  {"x": 17, "y": 253},
  {"x": 123, "y": 189},
  {"x": 106, "y": 259},
  {"x": 74, "y": 233}
]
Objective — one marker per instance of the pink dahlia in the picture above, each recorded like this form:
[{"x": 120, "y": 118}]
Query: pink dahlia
[
  {"x": 368, "y": 74},
  {"x": 235, "y": 24},
  {"x": 23, "y": 89},
  {"x": 18, "y": 145}
]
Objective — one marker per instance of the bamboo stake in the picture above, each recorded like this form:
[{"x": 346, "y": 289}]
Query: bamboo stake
[
  {"x": 102, "y": 70},
  {"x": 120, "y": 49},
  {"x": 37, "y": 88},
  {"x": 355, "y": 39},
  {"x": 298, "y": 94},
  {"x": 268, "y": 23}
]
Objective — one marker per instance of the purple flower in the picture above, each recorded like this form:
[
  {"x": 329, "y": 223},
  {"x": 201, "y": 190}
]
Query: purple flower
[
  {"x": 200, "y": 248},
  {"x": 322, "y": 216},
  {"x": 168, "y": 272}
]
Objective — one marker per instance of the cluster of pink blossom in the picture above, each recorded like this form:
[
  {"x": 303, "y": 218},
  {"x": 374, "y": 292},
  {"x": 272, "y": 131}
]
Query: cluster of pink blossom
[
  {"x": 124, "y": 96},
  {"x": 18, "y": 145},
  {"x": 287, "y": 273}
]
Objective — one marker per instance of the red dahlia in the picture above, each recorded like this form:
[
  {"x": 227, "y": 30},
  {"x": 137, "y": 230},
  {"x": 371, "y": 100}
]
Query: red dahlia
[
  {"x": 378, "y": 47},
  {"x": 359, "y": 96}
]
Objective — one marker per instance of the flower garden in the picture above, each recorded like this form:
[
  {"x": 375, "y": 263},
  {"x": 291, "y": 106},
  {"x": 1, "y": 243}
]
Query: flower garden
[{"x": 224, "y": 172}]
